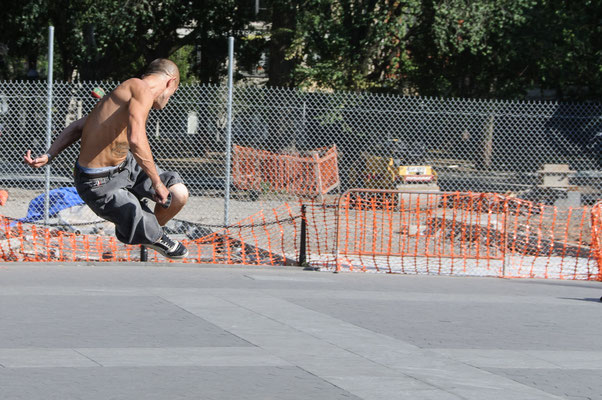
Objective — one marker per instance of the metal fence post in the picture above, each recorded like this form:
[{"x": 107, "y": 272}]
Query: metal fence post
[
  {"x": 229, "y": 131},
  {"x": 143, "y": 253},
  {"x": 49, "y": 118},
  {"x": 303, "y": 240}
]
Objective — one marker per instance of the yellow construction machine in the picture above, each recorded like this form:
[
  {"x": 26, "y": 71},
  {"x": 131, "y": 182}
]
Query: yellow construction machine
[{"x": 402, "y": 170}]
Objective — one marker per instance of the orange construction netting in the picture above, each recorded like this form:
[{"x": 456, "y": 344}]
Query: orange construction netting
[
  {"x": 254, "y": 169},
  {"x": 461, "y": 234},
  {"x": 369, "y": 230},
  {"x": 597, "y": 235},
  {"x": 266, "y": 238}
]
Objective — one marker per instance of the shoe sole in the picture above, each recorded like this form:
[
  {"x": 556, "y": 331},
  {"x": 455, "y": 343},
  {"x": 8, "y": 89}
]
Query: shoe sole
[{"x": 162, "y": 252}]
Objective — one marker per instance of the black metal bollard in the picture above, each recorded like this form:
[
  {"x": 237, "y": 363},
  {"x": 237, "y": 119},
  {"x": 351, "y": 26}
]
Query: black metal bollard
[
  {"x": 143, "y": 253},
  {"x": 302, "y": 244}
]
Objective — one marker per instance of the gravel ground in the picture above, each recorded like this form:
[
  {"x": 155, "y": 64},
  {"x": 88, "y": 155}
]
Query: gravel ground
[{"x": 199, "y": 209}]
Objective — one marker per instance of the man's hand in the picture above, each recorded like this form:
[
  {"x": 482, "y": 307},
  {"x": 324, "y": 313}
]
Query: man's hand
[
  {"x": 161, "y": 193},
  {"x": 66, "y": 138},
  {"x": 37, "y": 162}
]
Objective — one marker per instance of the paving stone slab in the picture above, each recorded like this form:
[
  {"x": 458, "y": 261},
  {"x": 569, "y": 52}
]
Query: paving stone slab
[{"x": 125, "y": 331}]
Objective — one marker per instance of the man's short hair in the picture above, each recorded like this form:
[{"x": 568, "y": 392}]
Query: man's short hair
[{"x": 163, "y": 66}]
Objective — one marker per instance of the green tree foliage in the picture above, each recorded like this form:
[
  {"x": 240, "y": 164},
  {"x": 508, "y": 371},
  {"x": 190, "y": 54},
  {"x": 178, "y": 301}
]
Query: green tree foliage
[
  {"x": 453, "y": 47},
  {"x": 22, "y": 37},
  {"x": 476, "y": 49},
  {"x": 500, "y": 48},
  {"x": 215, "y": 21},
  {"x": 486, "y": 48},
  {"x": 119, "y": 37},
  {"x": 113, "y": 39},
  {"x": 565, "y": 48},
  {"x": 352, "y": 44},
  {"x": 465, "y": 48}
]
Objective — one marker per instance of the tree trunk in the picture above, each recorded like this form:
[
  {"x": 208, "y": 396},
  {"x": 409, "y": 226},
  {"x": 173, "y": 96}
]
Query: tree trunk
[{"x": 283, "y": 28}]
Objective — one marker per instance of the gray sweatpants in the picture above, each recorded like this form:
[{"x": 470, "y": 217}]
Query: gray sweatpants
[{"x": 117, "y": 198}]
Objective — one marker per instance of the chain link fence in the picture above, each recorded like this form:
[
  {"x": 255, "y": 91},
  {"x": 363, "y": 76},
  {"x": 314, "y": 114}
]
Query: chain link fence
[{"x": 540, "y": 151}]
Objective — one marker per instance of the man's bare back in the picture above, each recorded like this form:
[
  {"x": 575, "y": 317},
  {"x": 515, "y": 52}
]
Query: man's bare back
[
  {"x": 117, "y": 124},
  {"x": 104, "y": 139}
]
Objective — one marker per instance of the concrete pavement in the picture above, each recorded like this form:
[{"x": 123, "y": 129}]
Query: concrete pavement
[{"x": 115, "y": 331}]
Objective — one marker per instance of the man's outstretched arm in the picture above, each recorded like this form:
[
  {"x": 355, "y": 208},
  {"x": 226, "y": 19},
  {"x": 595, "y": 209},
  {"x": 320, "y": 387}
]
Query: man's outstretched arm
[
  {"x": 140, "y": 104},
  {"x": 66, "y": 138}
]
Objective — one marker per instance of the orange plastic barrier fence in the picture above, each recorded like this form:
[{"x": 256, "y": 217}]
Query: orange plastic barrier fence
[
  {"x": 254, "y": 169},
  {"x": 266, "y": 238},
  {"x": 462, "y": 234},
  {"x": 597, "y": 235},
  {"x": 369, "y": 230},
  {"x": 3, "y": 197}
]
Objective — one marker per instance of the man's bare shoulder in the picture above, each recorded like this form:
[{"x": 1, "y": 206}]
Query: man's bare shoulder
[
  {"x": 138, "y": 88},
  {"x": 133, "y": 89}
]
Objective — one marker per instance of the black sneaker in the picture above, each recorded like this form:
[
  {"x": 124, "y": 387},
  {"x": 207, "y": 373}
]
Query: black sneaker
[{"x": 169, "y": 248}]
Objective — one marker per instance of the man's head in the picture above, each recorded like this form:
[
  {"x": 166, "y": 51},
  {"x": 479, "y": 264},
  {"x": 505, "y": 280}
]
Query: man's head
[{"x": 168, "y": 72}]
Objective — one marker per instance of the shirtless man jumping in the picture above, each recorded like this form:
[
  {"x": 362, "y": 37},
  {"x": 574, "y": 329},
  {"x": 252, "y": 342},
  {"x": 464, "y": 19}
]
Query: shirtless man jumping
[{"x": 115, "y": 169}]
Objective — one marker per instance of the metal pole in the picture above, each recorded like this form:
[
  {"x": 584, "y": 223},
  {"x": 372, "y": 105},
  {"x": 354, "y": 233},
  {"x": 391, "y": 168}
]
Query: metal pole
[
  {"x": 303, "y": 138},
  {"x": 302, "y": 244},
  {"x": 143, "y": 254},
  {"x": 504, "y": 238},
  {"x": 229, "y": 131},
  {"x": 49, "y": 118}
]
